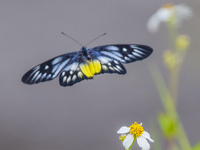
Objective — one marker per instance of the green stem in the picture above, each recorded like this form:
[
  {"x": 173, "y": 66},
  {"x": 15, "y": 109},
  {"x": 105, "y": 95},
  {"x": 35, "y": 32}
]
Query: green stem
[
  {"x": 132, "y": 144},
  {"x": 170, "y": 108},
  {"x": 182, "y": 139},
  {"x": 173, "y": 73},
  {"x": 173, "y": 83},
  {"x": 164, "y": 93},
  {"x": 171, "y": 144},
  {"x": 173, "y": 32}
]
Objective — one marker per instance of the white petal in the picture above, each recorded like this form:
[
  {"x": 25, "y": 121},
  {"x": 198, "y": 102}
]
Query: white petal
[
  {"x": 128, "y": 141},
  {"x": 164, "y": 14},
  {"x": 123, "y": 130},
  {"x": 153, "y": 23},
  {"x": 183, "y": 11},
  {"x": 147, "y": 136},
  {"x": 143, "y": 143}
]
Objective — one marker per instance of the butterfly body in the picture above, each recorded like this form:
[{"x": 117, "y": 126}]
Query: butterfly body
[{"x": 76, "y": 66}]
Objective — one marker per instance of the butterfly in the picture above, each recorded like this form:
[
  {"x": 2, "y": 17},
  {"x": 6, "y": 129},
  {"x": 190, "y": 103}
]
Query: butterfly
[{"x": 84, "y": 64}]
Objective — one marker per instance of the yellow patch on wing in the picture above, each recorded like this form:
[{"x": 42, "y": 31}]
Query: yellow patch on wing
[{"x": 91, "y": 68}]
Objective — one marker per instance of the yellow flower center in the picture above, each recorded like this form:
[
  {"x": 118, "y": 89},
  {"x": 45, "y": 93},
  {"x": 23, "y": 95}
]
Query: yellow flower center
[
  {"x": 168, "y": 6},
  {"x": 136, "y": 129}
]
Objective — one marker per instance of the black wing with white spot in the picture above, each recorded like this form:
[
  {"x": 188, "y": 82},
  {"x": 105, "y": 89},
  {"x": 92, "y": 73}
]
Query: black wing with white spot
[
  {"x": 113, "y": 67},
  {"x": 108, "y": 65},
  {"x": 72, "y": 74},
  {"x": 124, "y": 53},
  {"x": 48, "y": 70}
]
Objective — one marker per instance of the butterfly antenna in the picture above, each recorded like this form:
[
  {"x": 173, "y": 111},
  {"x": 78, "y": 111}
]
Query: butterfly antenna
[
  {"x": 95, "y": 38},
  {"x": 72, "y": 38}
]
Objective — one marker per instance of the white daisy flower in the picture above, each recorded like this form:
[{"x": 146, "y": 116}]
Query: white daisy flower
[
  {"x": 135, "y": 131},
  {"x": 169, "y": 13}
]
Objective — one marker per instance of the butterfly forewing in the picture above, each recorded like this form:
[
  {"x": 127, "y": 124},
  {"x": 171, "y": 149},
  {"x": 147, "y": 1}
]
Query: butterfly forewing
[
  {"x": 124, "y": 53},
  {"x": 48, "y": 70}
]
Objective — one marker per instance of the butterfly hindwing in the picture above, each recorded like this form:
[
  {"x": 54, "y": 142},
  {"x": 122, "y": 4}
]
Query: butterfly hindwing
[
  {"x": 72, "y": 74},
  {"x": 48, "y": 70},
  {"x": 78, "y": 71},
  {"x": 124, "y": 53},
  {"x": 109, "y": 65}
]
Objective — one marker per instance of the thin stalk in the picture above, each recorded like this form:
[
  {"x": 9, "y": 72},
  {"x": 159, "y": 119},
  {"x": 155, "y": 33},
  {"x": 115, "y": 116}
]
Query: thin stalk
[
  {"x": 173, "y": 83},
  {"x": 132, "y": 144},
  {"x": 182, "y": 139},
  {"x": 173, "y": 73}
]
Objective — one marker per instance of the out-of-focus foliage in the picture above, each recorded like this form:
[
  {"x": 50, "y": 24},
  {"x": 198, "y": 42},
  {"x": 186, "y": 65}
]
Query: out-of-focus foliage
[{"x": 173, "y": 58}]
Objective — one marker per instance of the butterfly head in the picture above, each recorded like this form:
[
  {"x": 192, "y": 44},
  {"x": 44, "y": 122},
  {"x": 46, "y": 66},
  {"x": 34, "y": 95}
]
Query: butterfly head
[{"x": 85, "y": 54}]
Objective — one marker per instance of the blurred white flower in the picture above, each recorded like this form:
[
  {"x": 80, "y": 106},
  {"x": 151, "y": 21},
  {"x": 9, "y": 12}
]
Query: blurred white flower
[
  {"x": 135, "y": 131},
  {"x": 170, "y": 13}
]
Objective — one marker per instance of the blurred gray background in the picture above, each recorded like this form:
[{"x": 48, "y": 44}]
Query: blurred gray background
[{"x": 87, "y": 115}]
